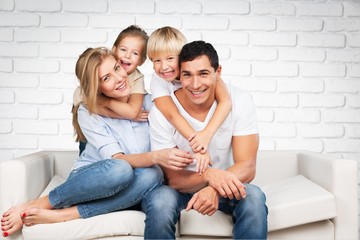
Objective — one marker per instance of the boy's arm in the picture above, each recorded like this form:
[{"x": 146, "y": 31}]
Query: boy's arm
[
  {"x": 168, "y": 108},
  {"x": 221, "y": 112},
  {"x": 223, "y": 108}
]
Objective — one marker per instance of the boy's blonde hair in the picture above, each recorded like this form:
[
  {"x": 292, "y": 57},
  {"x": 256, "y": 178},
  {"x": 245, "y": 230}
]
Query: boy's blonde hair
[
  {"x": 165, "y": 40},
  {"x": 133, "y": 31},
  {"x": 86, "y": 71}
]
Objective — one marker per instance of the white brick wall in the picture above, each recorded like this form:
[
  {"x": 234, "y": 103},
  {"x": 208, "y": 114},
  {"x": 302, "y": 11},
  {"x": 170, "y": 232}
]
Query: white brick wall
[{"x": 299, "y": 59}]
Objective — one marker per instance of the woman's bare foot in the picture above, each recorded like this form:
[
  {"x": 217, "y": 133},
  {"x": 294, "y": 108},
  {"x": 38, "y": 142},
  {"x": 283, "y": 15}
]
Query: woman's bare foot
[
  {"x": 11, "y": 220},
  {"x": 35, "y": 216}
]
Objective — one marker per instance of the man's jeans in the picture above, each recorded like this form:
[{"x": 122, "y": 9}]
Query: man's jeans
[
  {"x": 105, "y": 186},
  {"x": 163, "y": 205}
]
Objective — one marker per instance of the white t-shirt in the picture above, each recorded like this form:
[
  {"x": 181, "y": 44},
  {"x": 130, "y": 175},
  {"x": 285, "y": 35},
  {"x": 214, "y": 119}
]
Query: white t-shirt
[
  {"x": 240, "y": 122},
  {"x": 160, "y": 87}
]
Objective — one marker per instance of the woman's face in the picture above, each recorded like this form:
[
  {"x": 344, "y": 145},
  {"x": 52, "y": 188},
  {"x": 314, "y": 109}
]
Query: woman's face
[{"x": 113, "y": 80}]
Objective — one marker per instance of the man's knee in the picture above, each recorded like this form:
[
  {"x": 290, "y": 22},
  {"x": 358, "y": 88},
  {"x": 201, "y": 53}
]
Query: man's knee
[
  {"x": 255, "y": 199},
  {"x": 255, "y": 193}
]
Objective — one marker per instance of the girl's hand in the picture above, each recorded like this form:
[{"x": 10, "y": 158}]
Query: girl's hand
[
  {"x": 203, "y": 160},
  {"x": 199, "y": 141},
  {"x": 143, "y": 116}
]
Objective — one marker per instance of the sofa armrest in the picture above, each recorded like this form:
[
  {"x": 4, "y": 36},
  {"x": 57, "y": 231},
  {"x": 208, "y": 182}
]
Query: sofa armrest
[
  {"x": 338, "y": 176},
  {"x": 24, "y": 178}
]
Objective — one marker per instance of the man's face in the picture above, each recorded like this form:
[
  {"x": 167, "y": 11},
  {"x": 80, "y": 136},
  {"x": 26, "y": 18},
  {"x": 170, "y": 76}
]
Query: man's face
[{"x": 198, "y": 79}]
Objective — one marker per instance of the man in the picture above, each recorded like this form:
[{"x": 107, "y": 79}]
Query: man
[{"x": 225, "y": 186}]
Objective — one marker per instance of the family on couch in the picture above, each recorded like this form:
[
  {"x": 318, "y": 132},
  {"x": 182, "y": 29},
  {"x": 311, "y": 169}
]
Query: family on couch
[{"x": 194, "y": 127}]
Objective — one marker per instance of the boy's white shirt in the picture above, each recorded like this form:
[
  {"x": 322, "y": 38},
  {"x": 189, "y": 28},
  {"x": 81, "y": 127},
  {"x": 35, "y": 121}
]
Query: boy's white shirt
[
  {"x": 160, "y": 87},
  {"x": 240, "y": 122}
]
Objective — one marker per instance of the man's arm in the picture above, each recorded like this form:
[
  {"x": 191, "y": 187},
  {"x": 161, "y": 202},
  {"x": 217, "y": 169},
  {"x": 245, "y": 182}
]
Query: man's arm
[
  {"x": 228, "y": 183},
  {"x": 244, "y": 152}
]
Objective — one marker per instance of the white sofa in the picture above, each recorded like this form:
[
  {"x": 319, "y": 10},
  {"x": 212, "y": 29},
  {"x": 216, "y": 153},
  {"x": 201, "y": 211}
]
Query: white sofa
[{"x": 309, "y": 196}]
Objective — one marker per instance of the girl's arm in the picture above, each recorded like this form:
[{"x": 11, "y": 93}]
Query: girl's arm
[
  {"x": 127, "y": 110},
  {"x": 222, "y": 111},
  {"x": 168, "y": 108},
  {"x": 130, "y": 109}
]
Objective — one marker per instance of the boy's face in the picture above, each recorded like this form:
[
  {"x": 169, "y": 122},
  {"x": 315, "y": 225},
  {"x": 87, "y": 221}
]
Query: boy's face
[
  {"x": 166, "y": 66},
  {"x": 129, "y": 53}
]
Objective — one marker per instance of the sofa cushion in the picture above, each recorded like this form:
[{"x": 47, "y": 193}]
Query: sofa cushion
[
  {"x": 291, "y": 202},
  {"x": 122, "y": 223},
  {"x": 296, "y": 201}
]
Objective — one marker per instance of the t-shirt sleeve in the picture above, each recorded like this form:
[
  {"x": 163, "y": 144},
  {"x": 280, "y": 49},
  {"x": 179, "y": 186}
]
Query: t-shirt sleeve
[
  {"x": 245, "y": 114},
  {"x": 98, "y": 134},
  {"x": 159, "y": 87},
  {"x": 137, "y": 83},
  {"x": 161, "y": 131}
]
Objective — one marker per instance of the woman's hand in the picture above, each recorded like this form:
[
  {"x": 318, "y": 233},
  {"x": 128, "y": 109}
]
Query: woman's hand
[{"x": 172, "y": 158}]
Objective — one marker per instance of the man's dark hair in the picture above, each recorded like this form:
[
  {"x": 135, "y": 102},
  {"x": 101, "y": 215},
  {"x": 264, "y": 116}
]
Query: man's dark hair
[{"x": 195, "y": 49}]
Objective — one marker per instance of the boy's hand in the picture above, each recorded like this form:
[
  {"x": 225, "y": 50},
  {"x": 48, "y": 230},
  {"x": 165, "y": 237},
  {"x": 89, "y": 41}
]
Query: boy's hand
[
  {"x": 199, "y": 141},
  {"x": 203, "y": 160}
]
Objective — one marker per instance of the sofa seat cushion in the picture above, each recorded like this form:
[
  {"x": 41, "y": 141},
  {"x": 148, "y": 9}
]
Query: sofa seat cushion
[
  {"x": 291, "y": 202},
  {"x": 121, "y": 223},
  {"x": 296, "y": 201}
]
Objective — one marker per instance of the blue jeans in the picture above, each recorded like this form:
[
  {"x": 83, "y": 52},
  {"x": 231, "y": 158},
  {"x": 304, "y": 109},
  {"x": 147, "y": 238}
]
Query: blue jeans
[
  {"x": 105, "y": 186},
  {"x": 163, "y": 205}
]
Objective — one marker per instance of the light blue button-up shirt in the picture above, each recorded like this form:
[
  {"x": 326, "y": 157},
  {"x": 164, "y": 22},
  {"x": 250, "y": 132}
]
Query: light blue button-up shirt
[{"x": 108, "y": 136}]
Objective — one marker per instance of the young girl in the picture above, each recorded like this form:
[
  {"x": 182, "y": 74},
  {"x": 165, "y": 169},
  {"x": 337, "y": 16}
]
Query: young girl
[
  {"x": 116, "y": 170},
  {"x": 164, "y": 46}
]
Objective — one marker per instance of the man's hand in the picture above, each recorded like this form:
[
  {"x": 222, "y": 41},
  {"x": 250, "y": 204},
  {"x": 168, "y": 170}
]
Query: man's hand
[
  {"x": 226, "y": 183},
  {"x": 205, "y": 201},
  {"x": 172, "y": 158}
]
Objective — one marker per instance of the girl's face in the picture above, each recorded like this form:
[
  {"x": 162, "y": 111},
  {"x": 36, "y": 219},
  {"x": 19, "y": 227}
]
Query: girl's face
[
  {"x": 129, "y": 53},
  {"x": 113, "y": 80},
  {"x": 166, "y": 66}
]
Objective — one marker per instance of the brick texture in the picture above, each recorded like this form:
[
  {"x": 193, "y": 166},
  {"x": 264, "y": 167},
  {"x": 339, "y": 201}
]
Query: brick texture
[{"x": 300, "y": 60}]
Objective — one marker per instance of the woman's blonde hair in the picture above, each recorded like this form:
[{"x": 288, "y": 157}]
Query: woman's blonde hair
[
  {"x": 86, "y": 71},
  {"x": 165, "y": 40}
]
